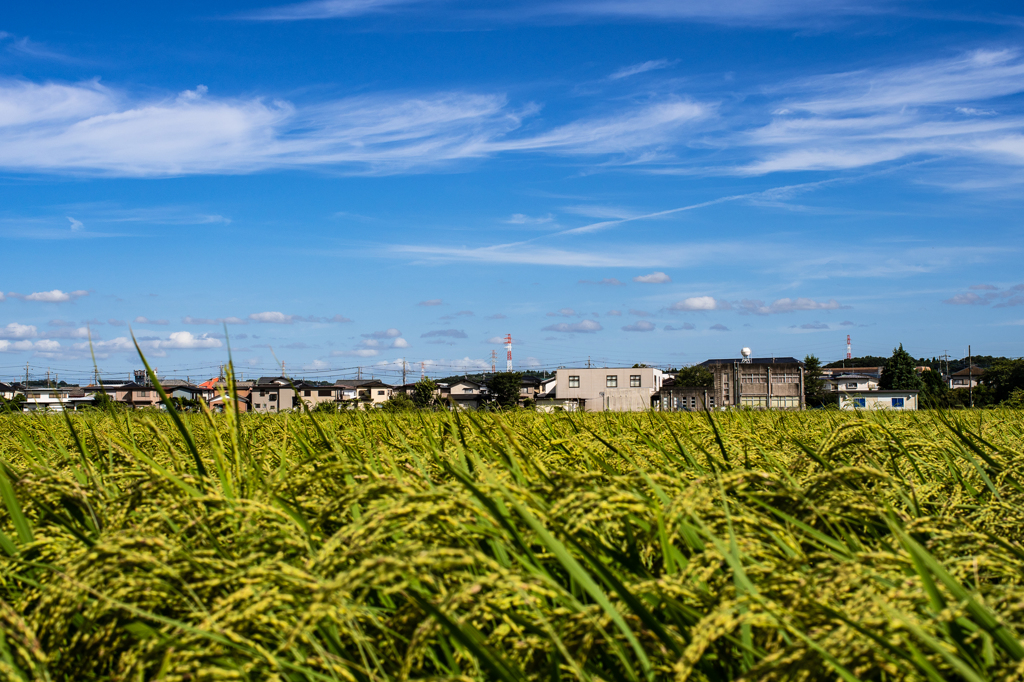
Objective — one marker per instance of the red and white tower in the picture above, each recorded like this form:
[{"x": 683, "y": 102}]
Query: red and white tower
[
  {"x": 849, "y": 354},
  {"x": 508, "y": 347}
]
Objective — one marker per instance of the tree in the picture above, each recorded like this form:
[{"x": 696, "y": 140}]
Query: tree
[
  {"x": 505, "y": 387},
  {"x": 423, "y": 392},
  {"x": 936, "y": 392},
  {"x": 899, "y": 373},
  {"x": 815, "y": 394},
  {"x": 1003, "y": 377},
  {"x": 398, "y": 402},
  {"x": 695, "y": 377}
]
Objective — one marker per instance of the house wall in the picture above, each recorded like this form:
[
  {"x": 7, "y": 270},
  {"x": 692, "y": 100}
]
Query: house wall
[
  {"x": 271, "y": 399},
  {"x": 878, "y": 400},
  {"x": 600, "y": 397}
]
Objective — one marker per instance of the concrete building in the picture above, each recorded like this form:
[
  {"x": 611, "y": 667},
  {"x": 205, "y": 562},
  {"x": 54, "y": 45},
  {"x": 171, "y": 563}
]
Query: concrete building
[
  {"x": 608, "y": 389},
  {"x": 675, "y": 397},
  {"x": 759, "y": 383},
  {"x": 878, "y": 400}
]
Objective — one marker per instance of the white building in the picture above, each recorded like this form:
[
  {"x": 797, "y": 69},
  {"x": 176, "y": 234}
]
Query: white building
[
  {"x": 878, "y": 400},
  {"x": 608, "y": 389}
]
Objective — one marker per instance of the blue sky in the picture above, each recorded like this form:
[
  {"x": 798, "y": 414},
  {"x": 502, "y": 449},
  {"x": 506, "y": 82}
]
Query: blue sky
[{"x": 351, "y": 183}]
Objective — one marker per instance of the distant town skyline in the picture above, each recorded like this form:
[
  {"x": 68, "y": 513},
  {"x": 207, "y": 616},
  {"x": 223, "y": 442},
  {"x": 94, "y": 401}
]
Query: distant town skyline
[{"x": 354, "y": 183}]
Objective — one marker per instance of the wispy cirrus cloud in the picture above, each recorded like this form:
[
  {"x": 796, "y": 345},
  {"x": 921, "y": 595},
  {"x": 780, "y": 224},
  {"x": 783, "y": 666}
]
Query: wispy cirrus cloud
[
  {"x": 94, "y": 129},
  {"x": 635, "y": 69},
  {"x": 871, "y": 116},
  {"x": 787, "y": 305}
]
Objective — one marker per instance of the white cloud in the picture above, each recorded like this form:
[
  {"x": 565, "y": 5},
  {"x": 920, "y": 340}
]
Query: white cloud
[
  {"x": 359, "y": 353},
  {"x": 90, "y": 128},
  {"x": 76, "y": 225},
  {"x": 207, "y": 320},
  {"x": 325, "y": 9},
  {"x": 966, "y": 299},
  {"x": 385, "y": 334},
  {"x": 639, "y": 326},
  {"x": 653, "y": 278},
  {"x": 523, "y": 219},
  {"x": 699, "y": 303},
  {"x": 586, "y": 327},
  {"x": 145, "y": 320},
  {"x": 400, "y": 343},
  {"x": 614, "y": 313},
  {"x": 43, "y": 346},
  {"x": 635, "y": 69},
  {"x": 55, "y": 296},
  {"x": 687, "y": 326},
  {"x": 788, "y": 305},
  {"x": 564, "y": 312},
  {"x": 68, "y": 333},
  {"x": 450, "y": 333},
  {"x": 186, "y": 340},
  {"x": 15, "y": 330},
  {"x": 272, "y": 318},
  {"x": 866, "y": 117}
]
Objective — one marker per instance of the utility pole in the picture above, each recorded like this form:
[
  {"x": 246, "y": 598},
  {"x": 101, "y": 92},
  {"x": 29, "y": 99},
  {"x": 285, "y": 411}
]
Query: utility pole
[
  {"x": 26, "y": 373},
  {"x": 403, "y": 371},
  {"x": 588, "y": 362},
  {"x": 494, "y": 360},
  {"x": 359, "y": 373},
  {"x": 970, "y": 374}
]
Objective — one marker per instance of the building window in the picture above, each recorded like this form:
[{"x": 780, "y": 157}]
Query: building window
[
  {"x": 574, "y": 381},
  {"x": 263, "y": 394},
  {"x": 307, "y": 393},
  {"x": 860, "y": 402},
  {"x": 272, "y": 397},
  {"x": 853, "y": 385},
  {"x": 785, "y": 378},
  {"x": 634, "y": 381},
  {"x": 754, "y": 401},
  {"x": 380, "y": 392},
  {"x": 324, "y": 393},
  {"x": 611, "y": 381},
  {"x": 785, "y": 402},
  {"x": 897, "y": 402},
  {"x": 467, "y": 390},
  {"x": 959, "y": 382},
  {"x": 143, "y": 394},
  {"x": 753, "y": 378}
]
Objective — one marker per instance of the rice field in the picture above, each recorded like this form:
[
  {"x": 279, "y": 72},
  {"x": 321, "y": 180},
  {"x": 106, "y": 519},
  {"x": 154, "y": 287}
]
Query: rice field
[{"x": 516, "y": 546}]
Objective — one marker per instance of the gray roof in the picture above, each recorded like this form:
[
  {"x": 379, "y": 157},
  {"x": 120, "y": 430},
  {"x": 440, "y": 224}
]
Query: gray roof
[{"x": 753, "y": 361}]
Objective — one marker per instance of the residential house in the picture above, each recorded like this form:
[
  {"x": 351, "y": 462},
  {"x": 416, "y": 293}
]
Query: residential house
[
  {"x": 852, "y": 382},
  {"x": 608, "y": 389},
  {"x": 275, "y": 394},
  {"x": 55, "y": 399},
  {"x": 878, "y": 400},
  {"x": 8, "y": 391},
  {"x": 968, "y": 377},
  {"x": 759, "y": 383}
]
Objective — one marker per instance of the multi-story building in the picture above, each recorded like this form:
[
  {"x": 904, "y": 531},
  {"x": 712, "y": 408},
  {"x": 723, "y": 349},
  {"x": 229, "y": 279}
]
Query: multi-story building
[
  {"x": 608, "y": 389},
  {"x": 763, "y": 383}
]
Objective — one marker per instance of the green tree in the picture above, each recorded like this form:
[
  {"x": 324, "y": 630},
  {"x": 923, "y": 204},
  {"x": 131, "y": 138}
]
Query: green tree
[
  {"x": 398, "y": 402},
  {"x": 815, "y": 394},
  {"x": 1003, "y": 377},
  {"x": 899, "y": 373},
  {"x": 505, "y": 388},
  {"x": 423, "y": 392},
  {"x": 13, "y": 405},
  {"x": 936, "y": 392},
  {"x": 695, "y": 377}
]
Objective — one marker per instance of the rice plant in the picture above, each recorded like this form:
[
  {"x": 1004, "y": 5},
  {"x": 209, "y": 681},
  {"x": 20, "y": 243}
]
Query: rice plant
[{"x": 516, "y": 546}]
